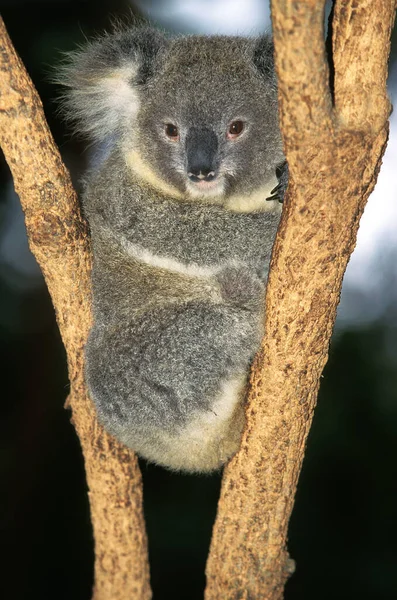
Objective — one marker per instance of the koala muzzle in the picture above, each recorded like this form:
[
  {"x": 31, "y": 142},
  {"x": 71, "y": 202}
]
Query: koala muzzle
[{"x": 201, "y": 154}]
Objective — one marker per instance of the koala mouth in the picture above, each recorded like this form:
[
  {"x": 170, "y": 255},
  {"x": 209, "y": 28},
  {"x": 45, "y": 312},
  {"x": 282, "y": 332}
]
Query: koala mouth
[
  {"x": 215, "y": 187},
  {"x": 206, "y": 185}
]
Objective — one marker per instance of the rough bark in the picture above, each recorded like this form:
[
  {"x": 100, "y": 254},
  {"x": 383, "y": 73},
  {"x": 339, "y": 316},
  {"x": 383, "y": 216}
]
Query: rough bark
[
  {"x": 334, "y": 142},
  {"x": 58, "y": 239}
]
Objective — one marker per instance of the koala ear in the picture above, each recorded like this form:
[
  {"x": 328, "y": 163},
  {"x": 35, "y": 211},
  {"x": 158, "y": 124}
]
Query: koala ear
[
  {"x": 263, "y": 57},
  {"x": 103, "y": 79}
]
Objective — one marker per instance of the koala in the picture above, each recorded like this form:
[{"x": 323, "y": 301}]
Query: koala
[{"x": 183, "y": 200}]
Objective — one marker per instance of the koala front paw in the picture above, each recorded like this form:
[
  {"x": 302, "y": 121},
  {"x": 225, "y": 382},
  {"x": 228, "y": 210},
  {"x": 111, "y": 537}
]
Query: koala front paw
[
  {"x": 282, "y": 174},
  {"x": 240, "y": 287}
]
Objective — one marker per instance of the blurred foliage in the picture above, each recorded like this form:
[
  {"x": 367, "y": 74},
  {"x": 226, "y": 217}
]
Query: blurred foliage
[{"x": 344, "y": 524}]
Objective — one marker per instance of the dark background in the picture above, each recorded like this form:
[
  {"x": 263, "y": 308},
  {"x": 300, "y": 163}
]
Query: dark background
[{"x": 343, "y": 529}]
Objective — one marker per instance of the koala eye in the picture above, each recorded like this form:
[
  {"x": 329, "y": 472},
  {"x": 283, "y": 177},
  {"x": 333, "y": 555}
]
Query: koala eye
[
  {"x": 236, "y": 128},
  {"x": 172, "y": 132}
]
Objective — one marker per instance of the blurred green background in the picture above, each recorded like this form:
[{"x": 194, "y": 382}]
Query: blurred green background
[{"x": 344, "y": 526}]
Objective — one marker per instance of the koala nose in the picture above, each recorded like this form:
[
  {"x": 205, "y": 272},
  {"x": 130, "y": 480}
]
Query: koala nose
[
  {"x": 201, "y": 154},
  {"x": 203, "y": 175}
]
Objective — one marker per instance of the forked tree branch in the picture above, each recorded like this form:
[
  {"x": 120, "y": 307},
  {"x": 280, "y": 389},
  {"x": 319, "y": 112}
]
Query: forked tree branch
[
  {"x": 58, "y": 238},
  {"x": 334, "y": 151}
]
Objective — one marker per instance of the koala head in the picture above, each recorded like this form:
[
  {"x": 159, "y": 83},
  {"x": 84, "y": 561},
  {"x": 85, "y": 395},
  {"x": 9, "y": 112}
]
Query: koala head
[{"x": 194, "y": 116}]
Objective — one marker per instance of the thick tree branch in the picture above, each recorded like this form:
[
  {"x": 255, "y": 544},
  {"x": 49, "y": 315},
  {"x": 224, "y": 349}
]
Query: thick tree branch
[
  {"x": 333, "y": 170},
  {"x": 304, "y": 95},
  {"x": 58, "y": 239},
  {"x": 361, "y": 45}
]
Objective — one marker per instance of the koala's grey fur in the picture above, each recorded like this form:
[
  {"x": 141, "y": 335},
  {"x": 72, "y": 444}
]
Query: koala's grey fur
[{"x": 180, "y": 266}]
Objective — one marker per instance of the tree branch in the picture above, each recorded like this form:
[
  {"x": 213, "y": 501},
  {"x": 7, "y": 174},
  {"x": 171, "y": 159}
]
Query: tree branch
[
  {"x": 304, "y": 96},
  {"x": 58, "y": 238},
  {"x": 361, "y": 46},
  {"x": 333, "y": 170}
]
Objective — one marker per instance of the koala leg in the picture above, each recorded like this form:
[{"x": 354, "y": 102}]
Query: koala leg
[{"x": 171, "y": 383}]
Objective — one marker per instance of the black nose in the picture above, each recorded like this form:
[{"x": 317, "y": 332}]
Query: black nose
[
  {"x": 201, "y": 154},
  {"x": 203, "y": 175}
]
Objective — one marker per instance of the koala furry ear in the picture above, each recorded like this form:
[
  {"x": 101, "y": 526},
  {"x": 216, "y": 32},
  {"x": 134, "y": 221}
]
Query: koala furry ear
[
  {"x": 103, "y": 79},
  {"x": 263, "y": 57}
]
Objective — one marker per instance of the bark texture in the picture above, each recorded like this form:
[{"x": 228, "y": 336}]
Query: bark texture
[
  {"x": 334, "y": 141},
  {"x": 59, "y": 240}
]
